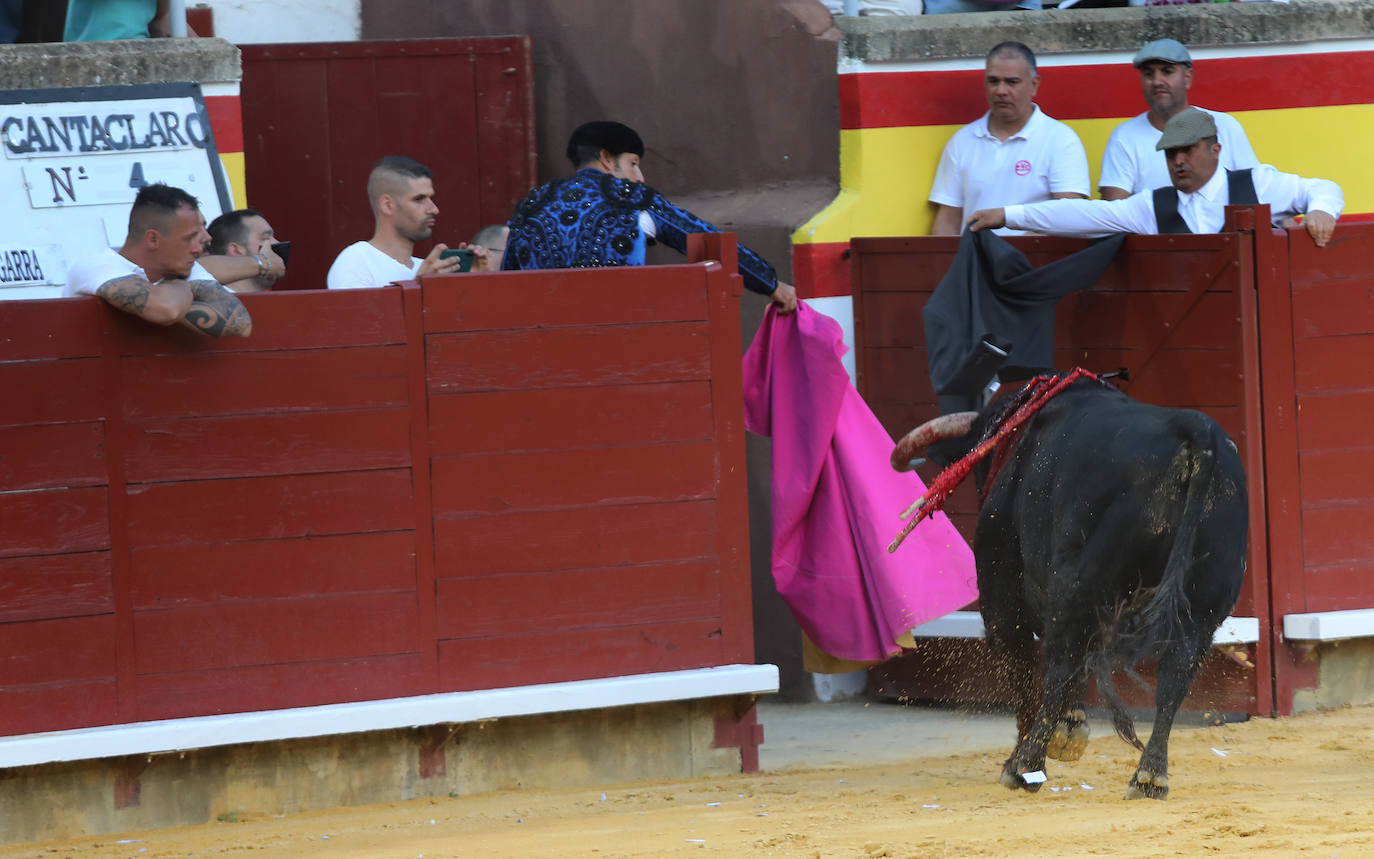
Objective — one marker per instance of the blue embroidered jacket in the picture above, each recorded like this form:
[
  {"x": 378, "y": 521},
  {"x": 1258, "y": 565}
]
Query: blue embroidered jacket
[{"x": 592, "y": 220}]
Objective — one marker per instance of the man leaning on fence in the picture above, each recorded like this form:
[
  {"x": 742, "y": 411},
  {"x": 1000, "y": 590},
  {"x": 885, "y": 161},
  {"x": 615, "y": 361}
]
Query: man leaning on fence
[
  {"x": 1195, "y": 202},
  {"x": 155, "y": 275}
]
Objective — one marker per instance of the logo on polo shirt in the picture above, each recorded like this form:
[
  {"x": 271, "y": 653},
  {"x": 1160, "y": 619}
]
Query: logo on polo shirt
[{"x": 1022, "y": 168}]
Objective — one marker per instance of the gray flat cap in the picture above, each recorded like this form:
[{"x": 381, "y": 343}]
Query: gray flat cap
[
  {"x": 1187, "y": 127},
  {"x": 1164, "y": 50}
]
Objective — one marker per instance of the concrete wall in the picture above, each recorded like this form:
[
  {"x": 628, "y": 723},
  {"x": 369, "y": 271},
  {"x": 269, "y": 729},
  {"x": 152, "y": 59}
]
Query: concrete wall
[
  {"x": 1345, "y": 675},
  {"x": 653, "y": 741}
]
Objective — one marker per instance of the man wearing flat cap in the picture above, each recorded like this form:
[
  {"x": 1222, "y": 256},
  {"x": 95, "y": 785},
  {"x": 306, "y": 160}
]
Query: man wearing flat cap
[
  {"x": 1130, "y": 163},
  {"x": 1195, "y": 203},
  {"x": 604, "y": 215}
]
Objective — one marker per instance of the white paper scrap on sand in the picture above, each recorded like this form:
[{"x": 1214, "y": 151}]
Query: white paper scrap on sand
[
  {"x": 1219, "y": 753},
  {"x": 1037, "y": 777}
]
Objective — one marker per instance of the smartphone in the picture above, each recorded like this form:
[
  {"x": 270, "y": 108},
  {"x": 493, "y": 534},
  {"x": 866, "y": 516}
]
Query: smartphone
[
  {"x": 464, "y": 257},
  {"x": 283, "y": 250}
]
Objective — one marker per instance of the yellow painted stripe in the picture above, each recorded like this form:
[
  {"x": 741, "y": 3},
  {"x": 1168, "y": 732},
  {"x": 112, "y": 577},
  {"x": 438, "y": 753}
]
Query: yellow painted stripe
[
  {"x": 233, "y": 172},
  {"x": 886, "y": 173}
]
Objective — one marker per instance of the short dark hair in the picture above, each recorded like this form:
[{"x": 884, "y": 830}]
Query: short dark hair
[
  {"x": 385, "y": 173},
  {"x": 155, "y": 205},
  {"x": 229, "y": 229},
  {"x": 407, "y": 167},
  {"x": 1016, "y": 49},
  {"x": 589, "y": 138}
]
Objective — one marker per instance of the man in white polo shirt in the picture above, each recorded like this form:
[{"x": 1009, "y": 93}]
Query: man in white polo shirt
[
  {"x": 1013, "y": 154},
  {"x": 1130, "y": 162}
]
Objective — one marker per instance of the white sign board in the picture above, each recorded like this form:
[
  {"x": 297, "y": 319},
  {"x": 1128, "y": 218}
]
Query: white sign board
[{"x": 75, "y": 158}]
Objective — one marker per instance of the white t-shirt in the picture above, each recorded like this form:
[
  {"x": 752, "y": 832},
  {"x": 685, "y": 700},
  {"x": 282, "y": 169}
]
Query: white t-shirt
[
  {"x": 361, "y": 265},
  {"x": 978, "y": 171},
  {"x": 1131, "y": 161},
  {"x": 88, "y": 274}
]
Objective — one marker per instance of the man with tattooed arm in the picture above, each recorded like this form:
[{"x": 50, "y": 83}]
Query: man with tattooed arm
[{"x": 155, "y": 275}]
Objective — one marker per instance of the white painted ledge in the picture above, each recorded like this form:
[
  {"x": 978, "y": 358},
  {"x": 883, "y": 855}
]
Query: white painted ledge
[
  {"x": 450, "y": 707},
  {"x": 1329, "y": 625},
  {"x": 969, "y": 624}
]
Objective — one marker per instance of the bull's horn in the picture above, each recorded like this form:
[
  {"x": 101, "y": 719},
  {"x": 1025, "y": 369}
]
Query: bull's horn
[{"x": 914, "y": 443}]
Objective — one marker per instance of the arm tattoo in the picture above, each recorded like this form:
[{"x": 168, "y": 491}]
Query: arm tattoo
[
  {"x": 215, "y": 311},
  {"x": 128, "y": 293}
]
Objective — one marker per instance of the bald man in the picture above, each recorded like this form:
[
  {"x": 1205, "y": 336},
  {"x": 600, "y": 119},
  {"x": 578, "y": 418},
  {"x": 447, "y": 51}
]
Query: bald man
[{"x": 401, "y": 192}]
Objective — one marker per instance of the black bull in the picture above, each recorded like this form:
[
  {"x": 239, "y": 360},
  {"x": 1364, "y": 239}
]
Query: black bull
[{"x": 1115, "y": 531}]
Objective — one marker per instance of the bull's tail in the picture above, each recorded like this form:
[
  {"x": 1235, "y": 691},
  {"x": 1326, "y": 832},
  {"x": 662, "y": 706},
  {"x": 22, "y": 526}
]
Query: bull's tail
[
  {"x": 1148, "y": 630},
  {"x": 1101, "y": 665}
]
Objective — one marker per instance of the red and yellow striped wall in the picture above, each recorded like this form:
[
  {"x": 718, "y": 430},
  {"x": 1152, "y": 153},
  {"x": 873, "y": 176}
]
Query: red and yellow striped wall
[
  {"x": 1308, "y": 112},
  {"x": 226, "y": 121}
]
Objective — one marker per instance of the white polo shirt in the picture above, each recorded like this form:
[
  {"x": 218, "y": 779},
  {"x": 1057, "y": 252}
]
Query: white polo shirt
[
  {"x": 1131, "y": 161},
  {"x": 978, "y": 171}
]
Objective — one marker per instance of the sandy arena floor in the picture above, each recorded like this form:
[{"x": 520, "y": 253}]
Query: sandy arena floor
[{"x": 1290, "y": 787}]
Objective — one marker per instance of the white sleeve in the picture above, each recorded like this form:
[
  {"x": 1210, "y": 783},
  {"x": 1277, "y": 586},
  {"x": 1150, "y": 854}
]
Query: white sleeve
[
  {"x": 1233, "y": 140},
  {"x": 1118, "y": 163},
  {"x": 1090, "y": 218},
  {"x": 1289, "y": 194},
  {"x": 1069, "y": 169},
  {"x": 947, "y": 189}
]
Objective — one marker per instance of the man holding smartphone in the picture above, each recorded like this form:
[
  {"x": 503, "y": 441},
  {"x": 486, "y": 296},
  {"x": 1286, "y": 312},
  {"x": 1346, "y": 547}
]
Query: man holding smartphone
[{"x": 401, "y": 192}]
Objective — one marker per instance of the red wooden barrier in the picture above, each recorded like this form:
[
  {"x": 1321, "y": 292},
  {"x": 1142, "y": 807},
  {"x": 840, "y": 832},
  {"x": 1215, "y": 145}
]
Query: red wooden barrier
[
  {"x": 1178, "y": 312},
  {"x": 480, "y": 482},
  {"x": 316, "y": 116}
]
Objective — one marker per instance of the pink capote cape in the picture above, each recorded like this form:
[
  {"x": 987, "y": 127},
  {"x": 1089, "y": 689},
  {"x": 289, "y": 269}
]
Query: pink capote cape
[{"x": 836, "y": 500}]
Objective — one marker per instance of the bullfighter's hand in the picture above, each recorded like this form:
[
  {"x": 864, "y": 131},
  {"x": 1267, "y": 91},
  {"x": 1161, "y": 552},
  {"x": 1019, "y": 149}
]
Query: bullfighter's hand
[
  {"x": 1319, "y": 226},
  {"x": 785, "y": 297},
  {"x": 987, "y": 219}
]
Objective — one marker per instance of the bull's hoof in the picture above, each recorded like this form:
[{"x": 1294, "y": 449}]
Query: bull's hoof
[
  {"x": 1013, "y": 781},
  {"x": 1070, "y": 738},
  {"x": 1146, "y": 785}
]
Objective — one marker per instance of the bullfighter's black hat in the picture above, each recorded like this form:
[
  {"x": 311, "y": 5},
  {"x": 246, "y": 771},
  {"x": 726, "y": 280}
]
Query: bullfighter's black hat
[{"x": 613, "y": 137}]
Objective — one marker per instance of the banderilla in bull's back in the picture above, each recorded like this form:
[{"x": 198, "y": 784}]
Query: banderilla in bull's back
[{"x": 1113, "y": 530}]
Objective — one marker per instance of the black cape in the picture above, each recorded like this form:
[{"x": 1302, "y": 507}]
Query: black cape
[{"x": 992, "y": 291}]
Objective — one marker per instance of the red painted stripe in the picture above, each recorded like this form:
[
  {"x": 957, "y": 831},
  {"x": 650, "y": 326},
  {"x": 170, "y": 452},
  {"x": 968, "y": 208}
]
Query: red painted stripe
[
  {"x": 226, "y": 121},
  {"x": 821, "y": 269},
  {"x": 897, "y": 99}
]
